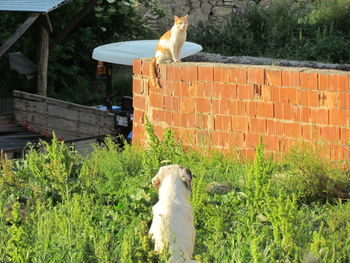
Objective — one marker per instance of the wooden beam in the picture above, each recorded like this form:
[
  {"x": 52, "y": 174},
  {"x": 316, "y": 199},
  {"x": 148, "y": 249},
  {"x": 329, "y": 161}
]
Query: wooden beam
[
  {"x": 19, "y": 32},
  {"x": 86, "y": 10},
  {"x": 47, "y": 22},
  {"x": 43, "y": 58}
]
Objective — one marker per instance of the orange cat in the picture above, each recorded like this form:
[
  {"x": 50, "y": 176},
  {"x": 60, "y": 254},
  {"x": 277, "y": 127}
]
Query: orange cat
[{"x": 169, "y": 47}]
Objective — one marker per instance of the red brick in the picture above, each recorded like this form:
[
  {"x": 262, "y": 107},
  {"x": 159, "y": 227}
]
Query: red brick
[
  {"x": 220, "y": 75},
  {"x": 168, "y": 88},
  {"x": 191, "y": 120},
  {"x": 320, "y": 116},
  {"x": 139, "y": 116},
  {"x": 238, "y": 75},
  {"x": 206, "y": 73},
  {"x": 345, "y": 135},
  {"x": 252, "y": 108},
  {"x": 183, "y": 119},
  {"x": 216, "y": 106},
  {"x": 236, "y": 139},
  {"x": 308, "y": 80},
  {"x": 168, "y": 118},
  {"x": 201, "y": 121},
  {"x": 192, "y": 90},
  {"x": 295, "y": 110},
  {"x": 177, "y": 119},
  {"x": 139, "y": 102},
  {"x": 218, "y": 122},
  {"x": 344, "y": 101},
  {"x": 286, "y": 77},
  {"x": 245, "y": 91},
  {"x": 323, "y": 81},
  {"x": 219, "y": 138},
  {"x": 175, "y": 104},
  {"x": 167, "y": 103},
  {"x": 294, "y": 95},
  {"x": 162, "y": 75},
  {"x": 284, "y": 95},
  {"x": 266, "y": 93},
  {"x": 273, "y": 77},
  {"x": 241, "y": 108},
  {"x": 275, "y": 93},
  {"x": 189, "y": 73},
  {"x": 280, "y": 128},
  {"x": 145, "y": 67},
  {"x": 187, "y": 104},
  {"x": 265, "y": 110},
  {"x": 232, "y": 107},
  {"x": 156, "y": 100},
  {"x": 307, "y": 132},
  {"x": 331, "y": 134},
  {"x": 199, "y": 86},
  {"x": 272, "y": 143},
  {"x": 252, "y": 139},
  {"x": 209, "y": 89},
  {"x": 314, "y": 98},
  {"x": 136, "y": 67},
  {"x": 305, "y": 114},
  {"x": 224, "y": 108},
  {"x": 202, "y": 105},
  {"x": 177, "y": 88},
  {"x": 278, "y": 110},
  {"x": 339, "y": 117},
  {"x": 256, "y": 76},
  {"x": 292, "y": 130},
  {"x": 240, "y": 124},
  {"x": 226, "y": 123},
  {"x": 257, "y": 125},
  {"x": 287, "y": 111},
  {"x": 137, "y": 86},
  {"x": 229, "y": 91},
  {"x": 184, "y": 89},
  {"x": 331, "y": 99},
  {"x": 343, "y": 83},
  {"x": 271, "y": 127},
  {"x": 333, "y": 82},
  {"x": 173, "y": 72},
  {"x": 295, "y": 78}
]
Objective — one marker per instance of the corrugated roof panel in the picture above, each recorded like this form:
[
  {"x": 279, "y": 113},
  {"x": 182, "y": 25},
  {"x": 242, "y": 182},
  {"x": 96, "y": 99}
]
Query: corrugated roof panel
[{"x": 30, "y": 5}]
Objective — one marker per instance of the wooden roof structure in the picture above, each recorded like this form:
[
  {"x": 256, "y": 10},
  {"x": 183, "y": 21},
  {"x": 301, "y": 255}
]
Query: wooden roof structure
[{"x": 39, "y": 11}]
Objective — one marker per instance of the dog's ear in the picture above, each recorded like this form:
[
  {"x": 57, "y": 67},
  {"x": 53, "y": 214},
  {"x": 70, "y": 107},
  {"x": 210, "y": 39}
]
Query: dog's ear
[
  {"x": 186, "y": 177},
  {"x": 156, "y": 182}
]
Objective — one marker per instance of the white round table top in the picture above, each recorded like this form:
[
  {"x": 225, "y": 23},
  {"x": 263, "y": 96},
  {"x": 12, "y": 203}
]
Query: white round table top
[{"x": 125, "y": 52}]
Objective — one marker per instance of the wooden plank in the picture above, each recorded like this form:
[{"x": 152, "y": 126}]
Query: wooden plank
[
  {"x": 7, "y": 130},
  {"x": 19, "y": 32},
  {"x": 60, "y": 112},
  {"x": 28, "y": 96},
  {"x": 33, "y": 119},
  {"x": 30, "y": 106},
  {"x": 57, "y": 102}
]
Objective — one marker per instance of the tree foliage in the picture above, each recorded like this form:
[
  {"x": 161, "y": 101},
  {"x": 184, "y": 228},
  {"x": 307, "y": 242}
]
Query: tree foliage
[{"x": 71, "y": 69}]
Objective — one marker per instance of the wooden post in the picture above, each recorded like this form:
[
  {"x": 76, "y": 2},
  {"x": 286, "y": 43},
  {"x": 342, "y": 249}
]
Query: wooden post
[{"x": 43, "y": 58}]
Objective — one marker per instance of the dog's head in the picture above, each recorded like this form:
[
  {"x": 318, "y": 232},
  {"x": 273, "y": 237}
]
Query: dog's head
[{"x": 184, "y": 174}]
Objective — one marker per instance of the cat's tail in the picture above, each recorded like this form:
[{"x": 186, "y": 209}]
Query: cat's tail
[{"x": 153, "y": 75}]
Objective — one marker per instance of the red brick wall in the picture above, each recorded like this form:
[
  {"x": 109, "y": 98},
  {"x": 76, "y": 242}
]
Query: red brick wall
[{"x": 228, "y": 106}]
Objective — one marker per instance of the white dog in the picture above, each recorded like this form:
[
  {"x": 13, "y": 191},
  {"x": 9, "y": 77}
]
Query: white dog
[{"x": 172, "y": 226}]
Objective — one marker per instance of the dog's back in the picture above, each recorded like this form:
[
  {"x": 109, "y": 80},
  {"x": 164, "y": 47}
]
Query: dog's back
[{"x": 172, "y": 224}]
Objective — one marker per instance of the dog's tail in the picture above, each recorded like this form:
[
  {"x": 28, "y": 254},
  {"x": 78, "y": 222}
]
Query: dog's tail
[{"x": 152, "y": 74}]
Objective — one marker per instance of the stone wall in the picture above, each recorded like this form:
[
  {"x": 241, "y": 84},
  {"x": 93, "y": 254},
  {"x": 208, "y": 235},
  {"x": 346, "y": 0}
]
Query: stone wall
[
  {"x": 229, "y": 106},
  {"x": 207, "y": 11}
]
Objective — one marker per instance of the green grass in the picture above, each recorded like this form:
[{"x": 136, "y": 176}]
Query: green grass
[{"x": 59, "y": 206}]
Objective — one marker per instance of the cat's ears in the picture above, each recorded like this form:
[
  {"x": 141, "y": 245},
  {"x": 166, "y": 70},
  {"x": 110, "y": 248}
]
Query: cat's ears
[{"x": 185, "y": 17}]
